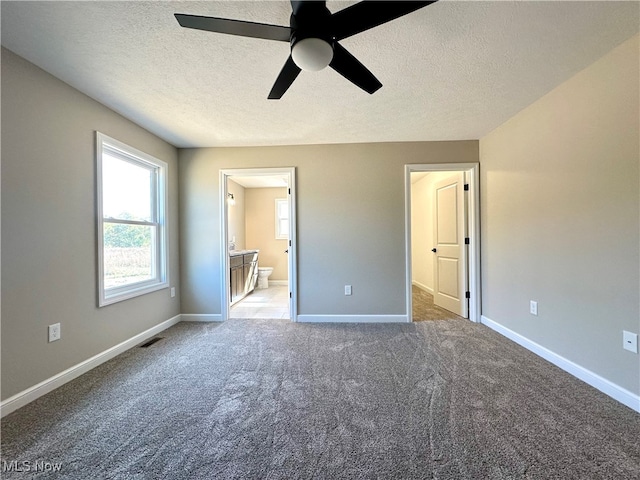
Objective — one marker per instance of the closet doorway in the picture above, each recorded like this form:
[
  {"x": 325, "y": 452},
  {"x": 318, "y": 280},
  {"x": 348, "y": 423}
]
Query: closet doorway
[{"x": 443, "y": 241}]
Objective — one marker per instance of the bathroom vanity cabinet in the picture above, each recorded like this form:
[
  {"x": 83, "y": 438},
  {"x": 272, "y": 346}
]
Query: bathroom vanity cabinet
[{"x": 244, "y": 273}]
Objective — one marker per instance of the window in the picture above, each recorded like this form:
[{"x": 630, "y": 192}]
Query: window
[
  {"x": 282, "y": 218},
  {"x": 132, "y": 224}
]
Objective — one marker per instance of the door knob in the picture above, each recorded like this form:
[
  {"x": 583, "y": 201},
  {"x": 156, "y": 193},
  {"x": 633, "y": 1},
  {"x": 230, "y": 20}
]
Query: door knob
[{"x": 433, "y": 250}]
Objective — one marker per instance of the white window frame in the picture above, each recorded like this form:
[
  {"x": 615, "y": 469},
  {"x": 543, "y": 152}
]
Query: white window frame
[
  {"x": 279, "y": 234},
  {"x": 160, "y": 269}
]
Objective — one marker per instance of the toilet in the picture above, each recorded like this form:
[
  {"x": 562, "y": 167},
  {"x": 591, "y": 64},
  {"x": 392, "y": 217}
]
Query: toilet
[{"x": 263, "y": 276}]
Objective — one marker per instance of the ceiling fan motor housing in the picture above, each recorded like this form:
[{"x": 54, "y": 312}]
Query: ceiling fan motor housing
[{"x": 311, "y": 40}]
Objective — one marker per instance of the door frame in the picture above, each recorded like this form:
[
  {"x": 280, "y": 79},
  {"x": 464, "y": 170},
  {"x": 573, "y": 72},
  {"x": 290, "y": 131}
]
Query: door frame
[
  {"x": 290, "y": 173},
  {"x": 472, "y": 177}
]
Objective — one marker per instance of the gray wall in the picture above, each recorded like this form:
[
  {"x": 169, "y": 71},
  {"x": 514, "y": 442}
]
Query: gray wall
[
  {"x": 350, "y": 214},
  {"x": 48, "y": 228},
  {"x": 560, "y": 218}
]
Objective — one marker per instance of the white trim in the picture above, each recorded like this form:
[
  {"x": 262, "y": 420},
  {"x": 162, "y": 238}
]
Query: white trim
[
  {"x": 225, "y": 174},
  {"x": 201, "y": 317},
  {"x": 353, "y": 319},
  {"x": 292, "y": 280},
  {"x": 422, "y": 286},
  {"x": 32, "y": 393},
  {"x": 473, "y": 169},
  {"x": 607, "y": 387}
]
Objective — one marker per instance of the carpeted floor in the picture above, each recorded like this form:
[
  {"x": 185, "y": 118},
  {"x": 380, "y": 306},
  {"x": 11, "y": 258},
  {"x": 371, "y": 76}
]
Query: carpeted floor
[
  {"x": 271, "y": 399},
  {"x": 424, "y": 309}
]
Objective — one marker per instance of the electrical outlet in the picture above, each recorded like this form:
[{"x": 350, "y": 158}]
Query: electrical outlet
[
  {"x": 54, "y": 332},
  {"x": 173, "y": 292},
  {"x": 533, "y": 307},
  {"x": 630, "y": 341},
  {"x": 347, "y": 289}
]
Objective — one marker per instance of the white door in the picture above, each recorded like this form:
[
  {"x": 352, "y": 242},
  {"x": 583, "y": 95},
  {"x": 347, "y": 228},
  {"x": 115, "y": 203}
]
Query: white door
[{"x": 450, "y": 262}]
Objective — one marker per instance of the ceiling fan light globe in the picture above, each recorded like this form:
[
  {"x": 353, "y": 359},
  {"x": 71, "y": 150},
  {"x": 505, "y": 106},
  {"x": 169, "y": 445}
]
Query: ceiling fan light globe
[{"x": 312, "y": 54}]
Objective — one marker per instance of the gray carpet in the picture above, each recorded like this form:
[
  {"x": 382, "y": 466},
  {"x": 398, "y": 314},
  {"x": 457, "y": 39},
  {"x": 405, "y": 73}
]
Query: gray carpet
[
  {"x": 270, "y": 399},
  {"x": 424, "y": 308}
]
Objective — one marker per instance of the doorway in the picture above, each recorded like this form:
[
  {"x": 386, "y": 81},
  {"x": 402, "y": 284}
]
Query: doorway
[
  {"x": 443, "y": 241},
  {"x": 257, "y": 226}
]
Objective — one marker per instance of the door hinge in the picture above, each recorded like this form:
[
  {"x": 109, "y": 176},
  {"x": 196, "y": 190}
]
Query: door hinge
[
  {"x": 290, "y": 295},
  {"x": 466, "y": 241},
  {"x": 466, "y": 187},
  {"x": 467, "y": 294},
  {"x": 289, "y": 191},
  {"x": 289, "y": 242}
]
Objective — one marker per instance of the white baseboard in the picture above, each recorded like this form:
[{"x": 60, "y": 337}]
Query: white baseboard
[
  {"x": 422, "y": 286},
  {"x": 32, "y": 393},
  {"x": 279, "y": 282},
  {"x": 353, "y": 319},
  {"x": 607, "y": 387},
  {"x": 201, "y": 317}
]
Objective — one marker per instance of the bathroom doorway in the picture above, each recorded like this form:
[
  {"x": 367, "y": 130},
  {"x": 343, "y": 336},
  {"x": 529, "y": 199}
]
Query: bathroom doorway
[
  {"x": 258, "y": 243},
  {"x": 443, "y": 241}
]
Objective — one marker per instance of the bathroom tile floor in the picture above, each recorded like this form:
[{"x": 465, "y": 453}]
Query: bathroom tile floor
[{"x": 272, "y": 302}]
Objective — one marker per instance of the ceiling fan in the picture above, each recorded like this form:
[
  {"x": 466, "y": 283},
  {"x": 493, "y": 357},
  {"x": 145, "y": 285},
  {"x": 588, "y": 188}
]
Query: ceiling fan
[{"x": 314, "y": 33}]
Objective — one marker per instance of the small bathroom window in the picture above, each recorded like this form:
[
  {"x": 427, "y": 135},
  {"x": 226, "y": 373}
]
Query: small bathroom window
[{"x": 282, "y": 218}]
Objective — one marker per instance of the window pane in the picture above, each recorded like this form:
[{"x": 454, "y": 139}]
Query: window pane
[
  {"x": 283, "y": 209},
  {"x": 129, "y": 254},
  {"x": 282, "y": 218},
  {"x": 283, "y": 228},
  {"x": 126, "y": 189}
]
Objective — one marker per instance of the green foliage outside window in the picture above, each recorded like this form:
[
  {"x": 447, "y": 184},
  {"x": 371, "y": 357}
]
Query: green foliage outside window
[
  {"x": 127, "y": 252},
  {"x": 118, "y": 235}
]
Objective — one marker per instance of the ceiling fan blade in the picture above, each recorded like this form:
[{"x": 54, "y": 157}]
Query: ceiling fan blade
[
  {"x": 368, "y": 14},
  {"x": 235, "y": 27},
  {"x": 350, "y": 68},
  {"x": 286, "y": 77}
]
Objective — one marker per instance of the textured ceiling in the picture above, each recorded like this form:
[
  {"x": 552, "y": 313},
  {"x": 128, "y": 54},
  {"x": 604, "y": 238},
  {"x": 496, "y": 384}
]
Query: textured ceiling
[{"x": 450, "y": 71}]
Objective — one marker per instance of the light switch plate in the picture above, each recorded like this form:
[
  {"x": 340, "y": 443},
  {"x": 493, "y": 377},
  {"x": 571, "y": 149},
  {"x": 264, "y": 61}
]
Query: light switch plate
[
  {"x": 630, "y": 341},
  {"x": 347, "y": 289},
  {"x": 533, "y": 307}
]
